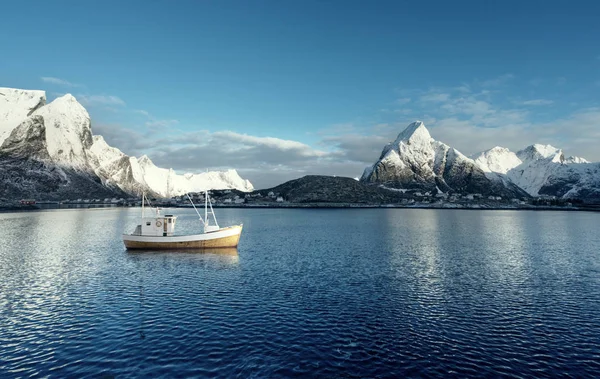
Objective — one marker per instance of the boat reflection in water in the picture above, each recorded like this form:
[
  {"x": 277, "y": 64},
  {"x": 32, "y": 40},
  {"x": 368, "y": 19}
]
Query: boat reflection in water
[{"x": 225, "y": 255}]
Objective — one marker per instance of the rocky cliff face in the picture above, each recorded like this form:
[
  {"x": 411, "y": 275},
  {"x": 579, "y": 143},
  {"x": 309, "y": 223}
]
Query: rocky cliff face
[
  {"x": 28, "y": 171},
  {"x": 49, "y": 151},
  {"x": 417, "y": 161},
  {"x": 15, "y": 106}
]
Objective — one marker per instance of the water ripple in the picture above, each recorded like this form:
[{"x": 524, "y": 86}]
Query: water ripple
[{"x": 336, "y": 293}]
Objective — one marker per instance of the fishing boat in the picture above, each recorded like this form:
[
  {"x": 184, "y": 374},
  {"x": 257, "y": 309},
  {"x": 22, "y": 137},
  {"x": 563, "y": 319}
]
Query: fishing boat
[{"x": 158, "y": 231}]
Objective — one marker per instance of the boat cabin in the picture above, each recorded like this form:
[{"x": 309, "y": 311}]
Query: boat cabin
[{"x": 159, "y": 226}]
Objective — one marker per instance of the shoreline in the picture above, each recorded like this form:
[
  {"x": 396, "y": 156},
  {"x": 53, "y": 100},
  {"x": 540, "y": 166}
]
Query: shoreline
[{"x": 444, "y": 206}]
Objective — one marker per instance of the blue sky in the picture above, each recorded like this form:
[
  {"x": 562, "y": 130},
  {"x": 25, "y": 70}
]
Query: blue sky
[{"x": 279, "y": 89}]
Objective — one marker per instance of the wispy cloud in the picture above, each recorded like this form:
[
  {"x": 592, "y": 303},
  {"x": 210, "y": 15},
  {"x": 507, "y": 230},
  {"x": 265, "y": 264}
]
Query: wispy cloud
[
  {"x": 502, "y": 79},
  {"x": 538, "y": 102},
  {"x": 92, "y": 100},
  {"x": 142, "y": 112},
  {"x": 58, "y": 81},
  {"x": 161, "y": 123},
  {"x": 435, "y": 97},
  {"x": 153, "y": 122},
  {"x": 403, "y": 101}
]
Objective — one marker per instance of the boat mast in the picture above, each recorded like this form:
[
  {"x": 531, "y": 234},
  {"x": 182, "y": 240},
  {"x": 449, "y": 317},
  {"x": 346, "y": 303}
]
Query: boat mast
[
  {"x": 213, "y": 213},
  {"x": 206, "y": 206},
  {"x": 143, "y": 197},
  {"x": 198, "y": 213}
]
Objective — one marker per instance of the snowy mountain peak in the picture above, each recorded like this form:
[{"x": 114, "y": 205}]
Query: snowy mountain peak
[
  {"x": 415, "y": 132},
  {"x": 145, "y": 161},
  {"x": 498, "y": 150},
  {"x": 497, "y": 159},
  {"x": 538, "y": 151},
  {"x": 416, "y": 161}
]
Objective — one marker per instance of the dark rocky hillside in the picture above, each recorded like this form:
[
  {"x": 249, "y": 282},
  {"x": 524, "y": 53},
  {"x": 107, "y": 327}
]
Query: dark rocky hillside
[{"x": 331, "y": 189}]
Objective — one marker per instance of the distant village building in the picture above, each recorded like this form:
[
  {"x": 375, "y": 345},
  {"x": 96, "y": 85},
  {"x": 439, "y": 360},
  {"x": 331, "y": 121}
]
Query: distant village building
[
  {"x": 239, "y": 201},
  {"x": 279, "y": 199}
]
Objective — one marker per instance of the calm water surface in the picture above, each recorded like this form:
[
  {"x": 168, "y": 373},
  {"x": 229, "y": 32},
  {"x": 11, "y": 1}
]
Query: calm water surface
[{"x": 322, "y": 293}]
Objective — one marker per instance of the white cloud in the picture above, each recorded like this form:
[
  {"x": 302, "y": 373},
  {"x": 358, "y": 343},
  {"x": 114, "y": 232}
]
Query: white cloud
[
  {"x": 92, "y": 100},
  {"x": 271, "y": 142},
  {"x": 266, "y": 161},
  {"x": 465, "y": 117},
  {"x": 60, "y": 82},
  {"x": 538, "y": 102}
]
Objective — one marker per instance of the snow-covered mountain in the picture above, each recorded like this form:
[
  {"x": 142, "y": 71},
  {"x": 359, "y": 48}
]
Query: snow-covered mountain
[
  {"x": 27, "y": 169},
  {"x": 543, "y": 170},
  {"x": 417, "y": 161},
  {"x": 15, "y": 106},
  {"x": 53, "y": 145}
]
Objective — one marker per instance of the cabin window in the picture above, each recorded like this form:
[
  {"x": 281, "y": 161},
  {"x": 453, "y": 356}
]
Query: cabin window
[
  {"x": 148, "y": 223},
  {"x": 169, "y": 221}
]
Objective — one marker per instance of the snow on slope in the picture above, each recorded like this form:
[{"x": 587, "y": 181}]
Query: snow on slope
[
  {"x": 573, "y": 159},
  {"x": 165, "y": 182},
  {"x": 104, "y": 155},
  {"x": 68, "y": 131},
  {"x": 15, "y": 106},
  {"x": 497, "y": 159},
  {"x": 70, "y": 144},
  {"x": 229, "y": 179},
  {"x": 543, "y": 170},
  {"x": 416, "y": 160}
]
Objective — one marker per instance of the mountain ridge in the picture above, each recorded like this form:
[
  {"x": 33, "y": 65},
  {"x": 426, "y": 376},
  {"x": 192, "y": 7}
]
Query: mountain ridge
[
  {"x": 414, "y": 160},
  {"x": 71, "y": 147}
]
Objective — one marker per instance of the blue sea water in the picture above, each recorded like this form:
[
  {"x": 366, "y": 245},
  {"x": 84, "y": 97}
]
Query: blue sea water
[{"x": 308, "y": 293}]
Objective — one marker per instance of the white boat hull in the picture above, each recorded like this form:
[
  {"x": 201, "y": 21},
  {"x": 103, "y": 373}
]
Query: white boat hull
[{"x": 222, "y": 238}]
